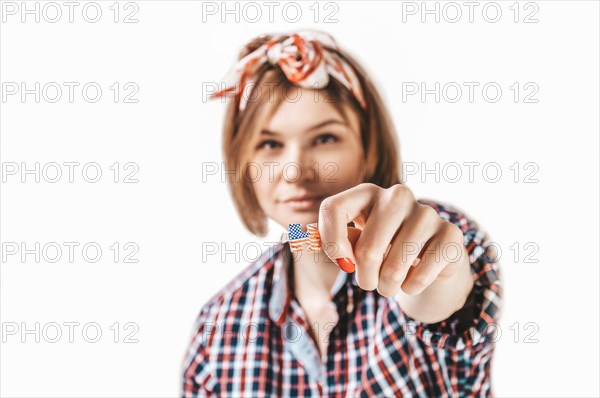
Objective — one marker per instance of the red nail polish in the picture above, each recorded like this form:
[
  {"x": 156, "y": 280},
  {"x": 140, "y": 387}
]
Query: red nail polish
[{"x": 345, "y": 264}]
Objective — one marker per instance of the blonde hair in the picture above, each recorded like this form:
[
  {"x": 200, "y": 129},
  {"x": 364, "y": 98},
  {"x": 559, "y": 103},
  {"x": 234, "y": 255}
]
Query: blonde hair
[{"x": 380, "y": 145}]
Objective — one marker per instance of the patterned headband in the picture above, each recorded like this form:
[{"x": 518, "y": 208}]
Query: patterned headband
[{"x": 306, "y": 60}]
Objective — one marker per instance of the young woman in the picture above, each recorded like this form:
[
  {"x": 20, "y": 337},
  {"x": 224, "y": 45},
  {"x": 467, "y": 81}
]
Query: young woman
[{"x": 403, "y": 297}]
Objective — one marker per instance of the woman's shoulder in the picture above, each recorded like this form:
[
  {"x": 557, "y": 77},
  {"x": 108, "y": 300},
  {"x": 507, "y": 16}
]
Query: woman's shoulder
[
  {"x": 476, "y": 237},
  {"x": 445, "y": 210},
  {"x": 452, "y": 213}
]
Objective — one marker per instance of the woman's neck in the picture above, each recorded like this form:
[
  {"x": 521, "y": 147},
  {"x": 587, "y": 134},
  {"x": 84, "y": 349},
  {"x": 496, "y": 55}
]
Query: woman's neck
[{"x": 314, "y": 276}]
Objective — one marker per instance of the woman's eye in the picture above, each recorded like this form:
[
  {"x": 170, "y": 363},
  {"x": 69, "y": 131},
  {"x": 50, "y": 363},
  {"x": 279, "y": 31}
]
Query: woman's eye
[
  {"x": 327, "y": 138},
  {"x": 269, "y": 144}
]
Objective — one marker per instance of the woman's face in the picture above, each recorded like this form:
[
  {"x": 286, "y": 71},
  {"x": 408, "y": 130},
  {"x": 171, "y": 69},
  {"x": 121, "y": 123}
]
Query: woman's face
[{"x": 306, "y": 152}]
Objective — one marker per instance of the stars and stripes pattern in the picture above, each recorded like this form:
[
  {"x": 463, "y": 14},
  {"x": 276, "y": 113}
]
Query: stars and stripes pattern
[
  {"x": 314, "y": 238},
  {"x": 253, "y": 339},
  {"x": 297, "y": 237}
]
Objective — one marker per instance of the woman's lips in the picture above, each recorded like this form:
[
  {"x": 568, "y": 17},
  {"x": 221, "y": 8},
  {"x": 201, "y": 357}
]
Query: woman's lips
[{"x": 304, "y": 203}]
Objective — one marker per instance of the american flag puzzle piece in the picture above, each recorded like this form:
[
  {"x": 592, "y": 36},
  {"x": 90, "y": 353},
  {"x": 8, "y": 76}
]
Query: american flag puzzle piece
[{"x": 297, "y": 237}]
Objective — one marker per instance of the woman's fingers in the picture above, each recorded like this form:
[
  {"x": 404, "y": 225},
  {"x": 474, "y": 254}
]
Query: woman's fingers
[
  {"x": 386, "y": 216},
  {"x": 406, "y": 248},
  {"x": 403, "y": 244},
  {"x": 439, "y": 254},
  {"x": 415, "y": 231},
  {"x": 334, "y": 215}
]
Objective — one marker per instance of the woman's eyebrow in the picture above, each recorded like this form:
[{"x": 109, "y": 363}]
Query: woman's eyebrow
[
  {"x": 316, "y": 126},
  {"x": 326, "y": 122},
  {"x": 267, "y": 132}
]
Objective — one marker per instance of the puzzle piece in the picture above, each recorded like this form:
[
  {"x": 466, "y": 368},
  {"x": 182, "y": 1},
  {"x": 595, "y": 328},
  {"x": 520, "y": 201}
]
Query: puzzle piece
[{"x": 297, "y": 237}]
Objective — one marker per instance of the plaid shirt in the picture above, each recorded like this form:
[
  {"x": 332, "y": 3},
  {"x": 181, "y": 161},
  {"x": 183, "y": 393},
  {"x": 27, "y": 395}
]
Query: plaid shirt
[{"x": 252, "y": 338}]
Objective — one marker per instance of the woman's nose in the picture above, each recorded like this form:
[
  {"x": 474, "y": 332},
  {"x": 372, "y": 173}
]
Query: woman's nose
[{"x": 299, "y": 166}]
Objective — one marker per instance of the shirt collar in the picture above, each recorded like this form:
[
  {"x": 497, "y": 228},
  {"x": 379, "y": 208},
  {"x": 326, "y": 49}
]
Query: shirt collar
[{"x": 279, "y": 302}]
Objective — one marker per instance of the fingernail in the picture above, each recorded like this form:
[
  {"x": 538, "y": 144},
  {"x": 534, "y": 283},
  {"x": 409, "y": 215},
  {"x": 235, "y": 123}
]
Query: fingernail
[{"x": 345, "y": 264}]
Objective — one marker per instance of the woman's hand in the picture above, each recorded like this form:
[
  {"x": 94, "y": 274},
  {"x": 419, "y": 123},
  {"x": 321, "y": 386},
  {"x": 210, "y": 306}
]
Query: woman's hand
[{"x": 397, "y": 232}]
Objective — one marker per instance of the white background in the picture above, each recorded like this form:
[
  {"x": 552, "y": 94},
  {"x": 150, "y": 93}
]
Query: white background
[{"x": 170, "y": 212}]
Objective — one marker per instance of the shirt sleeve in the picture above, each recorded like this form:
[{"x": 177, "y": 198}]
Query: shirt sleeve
[
  {"x": 477, "y": 320},
  {"x": 197, "y": 373}
]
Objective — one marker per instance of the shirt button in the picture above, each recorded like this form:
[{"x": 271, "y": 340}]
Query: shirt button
[{"x": 349, "y": 308}]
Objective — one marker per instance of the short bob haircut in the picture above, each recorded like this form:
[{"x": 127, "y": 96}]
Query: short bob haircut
[{"x": 241, "y": 129}]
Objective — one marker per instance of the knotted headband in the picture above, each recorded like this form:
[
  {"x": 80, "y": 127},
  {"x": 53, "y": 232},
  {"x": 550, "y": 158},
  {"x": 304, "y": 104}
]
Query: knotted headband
[{"x": 306, "y": 58}]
